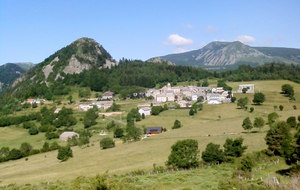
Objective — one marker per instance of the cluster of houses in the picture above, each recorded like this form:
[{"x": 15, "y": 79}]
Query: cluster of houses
[
  {"x": 184, "y": 95},
  {"x": 104, "y": 102},
  {"x": 35, "y": 101}
]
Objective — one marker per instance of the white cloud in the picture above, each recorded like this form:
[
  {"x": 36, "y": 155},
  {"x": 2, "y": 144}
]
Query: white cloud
[
  {"x": 177, "y": 40},
  {"x": 245, "y": 39}
]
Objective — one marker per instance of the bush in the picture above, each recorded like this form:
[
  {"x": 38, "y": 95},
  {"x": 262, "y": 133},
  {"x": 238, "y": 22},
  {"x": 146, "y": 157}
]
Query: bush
[
  {"x": 251, "y": 109},
  {"x": 107, "y": 142},
  {"x": 25, "y": 149},
  {"x": 213, "y": 154},
  {"x": 54, "y": 146},
  {"x": 291, "y": 121},
  {"x": 119, "y": 132},
  {"x": 28, "y": 125},
  {"x": 155, "y": 110},
  {"x": 191, "y": 112},
  {"x": 33, "y": 130},
  {"x": 259, "y": 98},
  {"x": 272, "y": 117},
  {"x": 90, "y": 118},
  {"x": 234, "y": 147},
  {"x": 242, "y": 102},
  {"x": 177, "y": 124},
  {"x": 247, "y": 124},
  {"x": 14, "y": 154},
  {"x": 46, "y": 147},
  {"x": 259, "y": 122},
  {"x": 233, "y": 99},
  {"x": 64, "y": 153},
  {"x": 51, "y": 135},
  {"x": 246, "y": 164},
  {"x": 281, "y": 107},
  {"x": 184, "y": 154}
]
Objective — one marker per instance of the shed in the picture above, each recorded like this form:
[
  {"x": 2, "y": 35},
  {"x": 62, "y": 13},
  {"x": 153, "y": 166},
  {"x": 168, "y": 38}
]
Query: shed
[
  {"x": 68, "y": 134},
  {"x": 154, "y": 130}
]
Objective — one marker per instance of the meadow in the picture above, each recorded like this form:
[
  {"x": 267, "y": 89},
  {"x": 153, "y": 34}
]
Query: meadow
[{"x": 214, "y": 124}]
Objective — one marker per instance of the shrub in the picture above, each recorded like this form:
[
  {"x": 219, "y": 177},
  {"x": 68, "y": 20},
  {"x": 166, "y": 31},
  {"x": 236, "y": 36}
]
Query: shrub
[
  {"x": 242, "y": 102},
  {"x": 51, "y": 135},
  {"x": 251, "y": 109},
  {"x": 259, "y": 98},
  {"x": 90, "y": 118},
  {"x": 184, "y": 154},
  {"x": 177, "y": 124},
  {"x": 272, "y": 117},
  {"x": 54, "y": 146},
  {"x": 234, "y": 147},
  {"x": 28, "y": 125},
  {"x": 191, "y": 112},
  {"x": 107, "y": 142},
  {"x": 246, "y": 164},
  {"x": 46, "y": 147},
  {"x": 64, "y": 153},
  {"x": 247, "y": 124},
  {"x": 119, "y": 132},
  {"x": 291, "y": 121},
  {"x": 281, "y": 107},
  {"x": 33, "y": 130},
  {"x": 213, "y": 154},
  {"x": 233, "y": 99},
  {"x": 259, "y": 122},
  {"x": 155, "y": 110},
  {"x": 25, "y": 149},
  {"x": 14, "y": 154}
]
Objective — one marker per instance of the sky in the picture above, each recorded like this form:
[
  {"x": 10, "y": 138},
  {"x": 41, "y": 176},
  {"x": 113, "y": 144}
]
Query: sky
[{"x": 32, "y": 30}]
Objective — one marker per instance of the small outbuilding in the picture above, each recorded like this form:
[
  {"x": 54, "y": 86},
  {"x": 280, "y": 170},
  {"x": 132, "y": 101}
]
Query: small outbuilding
[
  {"x": 154, "y": 130},
  {"x": 146, "y": 111},
  {"x": 68, "y": 134}
]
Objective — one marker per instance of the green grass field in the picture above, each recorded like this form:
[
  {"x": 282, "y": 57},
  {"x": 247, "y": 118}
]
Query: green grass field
[{"x": 206, "y": 126}]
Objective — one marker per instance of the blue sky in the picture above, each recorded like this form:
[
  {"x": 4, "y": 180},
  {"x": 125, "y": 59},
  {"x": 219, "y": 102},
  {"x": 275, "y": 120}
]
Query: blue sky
[{"x": 136, "y": 29}]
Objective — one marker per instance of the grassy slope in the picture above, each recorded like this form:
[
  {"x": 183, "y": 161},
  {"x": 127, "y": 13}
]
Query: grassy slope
[{"x": 141, "y": 155}]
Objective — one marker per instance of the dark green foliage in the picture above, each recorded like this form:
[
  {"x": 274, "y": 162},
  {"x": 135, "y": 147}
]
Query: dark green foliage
[
  {"x": 191, "y": 112},
  {"x": 272, "y": 117},
  {"x": 64, "y": 118},
  {"x": 84, "y": 92},
  {"x": 233, "y": 99},
  {"x": 291, "y": 121},
  {"x": 298, "y": 118},
  {"x": 46, "y": 147},
  {"x": 118, "y": 133},
  {"x": 72, "y": 141},
  {"x": 259, "y": 122},
  {"x": 247, "y": 124},
  {"x": 25, "y": 149},
  {"x": 242, "y": 102},
  {"x": 281, "y": 107},
  {"x": 114, "y": 107},
  {"x": 251, "y": 109},
  {"x": 51, "y": 135},
  {"x": 213, "y": 154},
  {"x": 16, "y": 120},
  {"x": 90, "y": 118},
  {"x": 111, "y": 126},
  {"x": 155, "y": 110},
  {"x": 221, "y": 83},
  {"x": 33, "y": 130},
  {"x": 234, "y": 147},
  {"x": 177, "y": 124},
  {"x": 14, "y": 154},
  {"x": 184, "y": 154},
  {"x": 28, "y": 125},
  {"x": 288, "y": 90},
  {"x": 107, "y": 142},
  {"x": 132, "y": 134},
  {"x": 132, "y": 116},
  {"x": 246, "y": 164},
  {"x": 54, "y": 146},
  {"x": 276, "y": 137},
  {"x": 259, "y": 98},
  {"x": 64, "y": 153},
  {"x": 205, "y": 83},
  {"x": 143, "y": 116},
  {"x": 244, "y": 90},
  {"x": 34, "y": 105}
]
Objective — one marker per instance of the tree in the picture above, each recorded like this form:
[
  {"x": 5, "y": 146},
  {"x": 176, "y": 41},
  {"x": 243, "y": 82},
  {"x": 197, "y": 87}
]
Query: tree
[
  {"x": 244, "y": 90},
  {"x": 191, "y": 112},
  {"x": 70, "y": 99},
  {"x": 281, "y": 107},
  {"x": 233, "y": 99},
  {"x": 259, "y": 98},
  {"x": 4, "y": 152},
  {"x": 259, "y": 122},
  {"x": 213, "y": 154},
  {"x": 251, "y": 109},
  {"x": 242, "y": 102},
  {"x": 90, "y": 118},
  {"x": 25, "y": 149},
  {"x": 64, "y": 153},
  {"x": 291, "y": 121},
  {"x": 119, "y": 132},
  {"x": 205, "y": 83},
  {"x": 288, "y": 90},
  {"x": 247, "y": 124},
  {"x": 272, "y": 117},
  {"x": 107, "y": 142},
  {"x": 234, "y": 147},
  {"x": 155, "y": 110},
  {"x": 143, "y": 116},
  {"x": 46, "y": 147},
  {"x": 177, "y": 124},
  {"x": 33, "y": 131},
  {"x": 184, "y": 154},
  {"x": 132, "y": 134},
  {"x": 14, "y": 154},
  {"x": 276, "y": 136},
  {"x": 246, "y": 164}
]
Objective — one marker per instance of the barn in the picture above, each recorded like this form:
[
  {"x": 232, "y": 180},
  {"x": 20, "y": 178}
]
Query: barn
[{"x": 154, "y": 130}]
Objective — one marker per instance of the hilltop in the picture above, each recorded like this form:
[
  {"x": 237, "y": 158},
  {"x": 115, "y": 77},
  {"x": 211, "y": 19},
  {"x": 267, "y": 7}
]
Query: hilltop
[{"x": 229, "y": 55}]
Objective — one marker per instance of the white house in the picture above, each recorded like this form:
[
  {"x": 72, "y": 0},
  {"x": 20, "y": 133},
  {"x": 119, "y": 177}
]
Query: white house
[
  {"x": 214, "y": 101},
  {"x": 170, "y": 96},
  {"x": 194, "y": 97},
  {"x": 146, "y": 111},
  {"x": 183, "y": 103},
  {"x": 85, "y": 107},
  {"x": 161, "y": 98},
  {"x": 68, "y": 135},
  {"x": 107, "y": 95}
]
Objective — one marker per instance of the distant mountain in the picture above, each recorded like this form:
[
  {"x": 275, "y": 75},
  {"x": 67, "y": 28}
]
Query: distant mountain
[
  {"x": 9, "y": 72},
  {"x": 228, "y": 55}
]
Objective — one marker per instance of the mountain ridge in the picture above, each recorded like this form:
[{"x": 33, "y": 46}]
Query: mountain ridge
[{"x": 228, "y": 55}]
